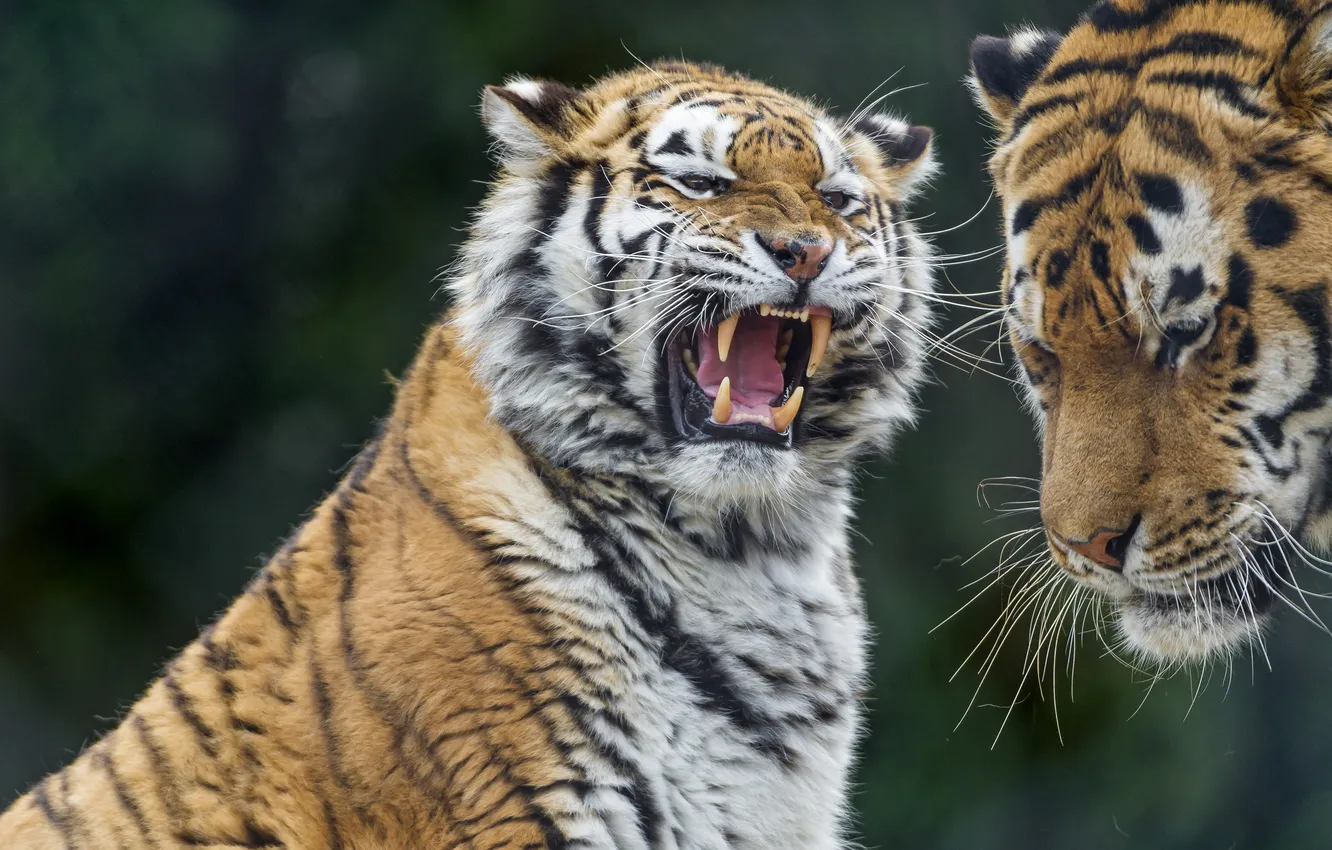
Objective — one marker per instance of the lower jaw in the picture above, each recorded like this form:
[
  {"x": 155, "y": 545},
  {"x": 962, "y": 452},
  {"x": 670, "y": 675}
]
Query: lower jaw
[
  {"x": 1194, "y": 628},
  {"x": 1183, "y": 637},
  {"x": 691, "y": 415}
]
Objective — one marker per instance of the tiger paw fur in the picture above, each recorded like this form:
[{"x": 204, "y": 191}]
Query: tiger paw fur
[
  {"x": 1165, "y": 168},
  {"x": 591, "y": 585}
]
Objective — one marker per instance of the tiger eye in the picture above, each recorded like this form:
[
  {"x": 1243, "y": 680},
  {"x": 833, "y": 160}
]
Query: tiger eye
[{"x": 836, "y": 200}]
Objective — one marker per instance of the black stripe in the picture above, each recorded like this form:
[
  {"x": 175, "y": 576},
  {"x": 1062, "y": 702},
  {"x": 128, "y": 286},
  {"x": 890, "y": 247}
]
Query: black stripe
[
  {"x": 1025, "y": 216},
  {"x": 334, "y": 834},
  {"x": 122, "y": 794},
  {"x": 1226, "y": 86},
  {"x": 279, "y": 607},
  {"x": 1075, "y": 186},
  {"x": 1107, "y": 17},
  {"x": 552, "y": 201},
  {"x": 1240, "y": 283},
  {"x": 255, "y": 838},
  {"x": 1308, "y": 306},
  {"x": 675, "y": 143},
  {"x": 1056, "y": 268},
  {"x": 1173, "y": 131},
  {"x": 1143, "y": 234},
  {"x": 596, "y": 204},
  {"x": 1100, "y": 260},
  {"x": 1246, "y": 350},
  {"x": 59, "y": 820},
  {"x": 324, "y": 717},
  {"x": 185, "y": 708},
  {"x": 440, "y": 508},
  {"x": 1199, "y": 45},
  {"x": 166, "y": 788},
  {"x": 1037, "y": 108}
]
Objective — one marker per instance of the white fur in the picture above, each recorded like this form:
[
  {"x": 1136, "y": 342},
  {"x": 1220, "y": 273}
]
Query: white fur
[{"x": 518, "y": 142}]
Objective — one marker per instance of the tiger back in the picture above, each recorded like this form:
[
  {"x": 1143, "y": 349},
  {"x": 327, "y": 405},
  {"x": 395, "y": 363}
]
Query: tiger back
[{"x": 590, "y": 586}]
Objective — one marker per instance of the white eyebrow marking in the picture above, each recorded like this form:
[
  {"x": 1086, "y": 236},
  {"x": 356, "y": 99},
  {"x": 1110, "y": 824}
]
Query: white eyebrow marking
[{"x": 692, "y": 138}]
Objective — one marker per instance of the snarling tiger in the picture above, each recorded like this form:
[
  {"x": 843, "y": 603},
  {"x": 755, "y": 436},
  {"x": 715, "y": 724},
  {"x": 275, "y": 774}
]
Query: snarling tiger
[
  {"x": 591, "y": 584},
  {"x": 1165, "y": 170}
]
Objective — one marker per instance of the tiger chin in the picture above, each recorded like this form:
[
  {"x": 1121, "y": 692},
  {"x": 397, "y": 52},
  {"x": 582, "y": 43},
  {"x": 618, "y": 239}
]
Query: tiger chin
[
  {"x": 1166, "y": 177},
  {"x": 591, "y": 584}
]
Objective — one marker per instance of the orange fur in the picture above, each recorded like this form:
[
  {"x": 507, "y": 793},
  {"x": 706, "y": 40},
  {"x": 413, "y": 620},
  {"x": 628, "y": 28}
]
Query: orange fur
[
  {"x": 1225, "y": 102},
  {"x": 314, "y": 712}
]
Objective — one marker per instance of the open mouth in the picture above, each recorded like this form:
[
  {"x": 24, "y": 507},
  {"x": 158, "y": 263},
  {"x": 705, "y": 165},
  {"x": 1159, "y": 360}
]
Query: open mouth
[{"x": 744, "y": 378}]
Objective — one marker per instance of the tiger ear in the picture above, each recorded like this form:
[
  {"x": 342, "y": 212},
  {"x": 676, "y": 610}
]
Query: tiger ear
[
  {"x": 1002, "y": 69},
  {"x": 905, "y": 150},
  {"x": 528, "y": 119},
  {"x": 1305, "y": 81}
]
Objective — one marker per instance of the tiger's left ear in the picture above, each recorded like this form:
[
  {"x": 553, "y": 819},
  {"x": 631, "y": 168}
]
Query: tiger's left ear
[
  {"x": 905, "y": 150},
  {"x": 1305, "y": 81},
  {"x": 529, "y": 119},
  {"x": 1002, "y": 69}
]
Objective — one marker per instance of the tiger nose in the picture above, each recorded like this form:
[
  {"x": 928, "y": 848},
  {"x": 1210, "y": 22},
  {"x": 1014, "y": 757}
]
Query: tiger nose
[
  {"x": 801, "y": 260},
  {"x": 1106, "y": 547}
]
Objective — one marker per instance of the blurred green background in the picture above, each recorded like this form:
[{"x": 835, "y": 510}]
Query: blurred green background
[{"x": 221, "y": 222}]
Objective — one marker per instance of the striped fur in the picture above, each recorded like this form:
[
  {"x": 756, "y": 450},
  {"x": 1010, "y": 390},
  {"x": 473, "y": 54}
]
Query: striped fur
[
  {"x": 531, "y": 616},
  {"x": 1166, "y": 175}
]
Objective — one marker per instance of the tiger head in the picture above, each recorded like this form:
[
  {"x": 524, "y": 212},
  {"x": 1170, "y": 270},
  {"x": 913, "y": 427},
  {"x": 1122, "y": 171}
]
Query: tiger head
[
  {"x": 687, "y": 275},
  {"x": 1166, "y": 177}
]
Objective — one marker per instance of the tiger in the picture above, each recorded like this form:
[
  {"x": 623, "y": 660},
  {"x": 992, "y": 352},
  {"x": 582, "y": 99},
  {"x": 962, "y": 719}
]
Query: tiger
[
  {"x": 1165, "y": 171},
  {"x": 590, "y": 586}
]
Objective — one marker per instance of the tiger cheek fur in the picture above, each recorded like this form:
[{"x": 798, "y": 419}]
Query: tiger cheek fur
[
  {"x": 557, "y": 602},
  {"x": 1166, "y": 176}
]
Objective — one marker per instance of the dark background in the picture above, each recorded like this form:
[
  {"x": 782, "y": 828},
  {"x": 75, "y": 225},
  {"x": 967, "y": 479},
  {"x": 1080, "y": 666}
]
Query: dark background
[{"x": 221, "y": 222}]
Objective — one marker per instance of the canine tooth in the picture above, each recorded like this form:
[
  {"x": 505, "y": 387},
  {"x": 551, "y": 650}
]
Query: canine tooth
[
  {"x": 726, "y": 333},
  {"x": 721, "y": 406},
  {"x": 765, "y": 309},
  {"x": 783, "y": 416},
  {"x": 821, "y": 329},
  {"x": 688, "y": 357},
  {"x": 781, "y": 362}
]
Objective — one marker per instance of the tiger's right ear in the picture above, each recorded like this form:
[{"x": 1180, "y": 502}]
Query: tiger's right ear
[
  {"x": 529, "y": 119},
  {"x": 1002, "y": 69},
  {"x": 1305, "y": 81}
]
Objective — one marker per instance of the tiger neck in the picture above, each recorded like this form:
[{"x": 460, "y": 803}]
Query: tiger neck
[{"x": 450, "y": 445}]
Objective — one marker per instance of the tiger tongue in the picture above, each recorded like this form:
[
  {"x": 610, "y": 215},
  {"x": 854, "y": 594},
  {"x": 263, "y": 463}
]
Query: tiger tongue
[{"x": 751, "y": 363}]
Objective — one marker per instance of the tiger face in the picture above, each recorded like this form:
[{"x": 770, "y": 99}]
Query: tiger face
[
  {"x": 1166, "y": 177},
  {"x": 715, "y": 284}
]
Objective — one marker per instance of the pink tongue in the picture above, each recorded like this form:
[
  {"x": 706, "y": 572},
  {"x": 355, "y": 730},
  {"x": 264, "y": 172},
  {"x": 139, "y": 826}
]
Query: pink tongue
[{"x": 751, "y": 363}]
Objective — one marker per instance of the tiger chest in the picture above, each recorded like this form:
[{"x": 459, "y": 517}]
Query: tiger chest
[{"x": 739, "y": 725}]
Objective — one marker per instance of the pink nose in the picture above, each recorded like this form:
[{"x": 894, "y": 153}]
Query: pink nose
[
  {"x": 802, "y": 261},
  {"x": 1106, "y": 547}
]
